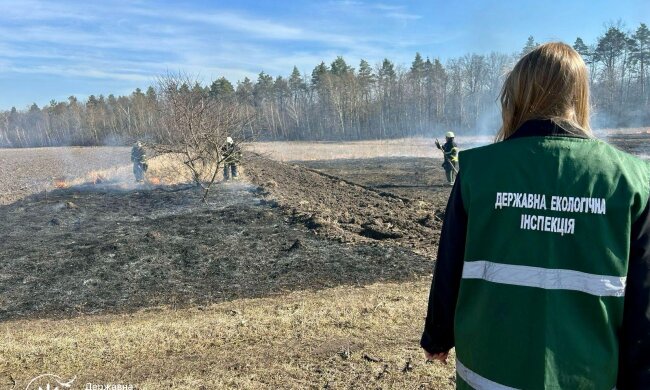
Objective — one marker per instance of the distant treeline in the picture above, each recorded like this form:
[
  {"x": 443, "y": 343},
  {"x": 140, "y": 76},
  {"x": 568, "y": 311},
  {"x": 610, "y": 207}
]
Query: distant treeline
[{"x": 339, "y": 102}]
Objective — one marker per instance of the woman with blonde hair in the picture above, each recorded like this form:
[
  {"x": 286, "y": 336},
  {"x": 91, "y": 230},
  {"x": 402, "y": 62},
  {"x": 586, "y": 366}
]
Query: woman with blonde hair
[{"x": 542, "y": 279}]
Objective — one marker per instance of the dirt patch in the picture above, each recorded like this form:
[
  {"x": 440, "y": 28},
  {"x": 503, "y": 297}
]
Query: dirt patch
[
  {"x": 410, "y": 177},
  {"x": 346, "y": 211}
]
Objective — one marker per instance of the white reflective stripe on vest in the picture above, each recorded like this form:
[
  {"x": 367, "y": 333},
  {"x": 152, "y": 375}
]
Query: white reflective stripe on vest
[
  {"x": 476, "y": 381},
  {"x": 549, "y": 279}
]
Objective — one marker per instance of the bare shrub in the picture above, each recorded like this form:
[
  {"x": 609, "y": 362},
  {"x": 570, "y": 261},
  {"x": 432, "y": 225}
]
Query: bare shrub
[{"x": 196, "y": 126}]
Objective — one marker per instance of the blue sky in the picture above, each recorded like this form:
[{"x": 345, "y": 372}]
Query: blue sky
[{"x": 53, "y": 49}]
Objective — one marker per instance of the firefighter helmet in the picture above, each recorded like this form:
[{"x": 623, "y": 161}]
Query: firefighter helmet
[{"x": 449, "y": 134}]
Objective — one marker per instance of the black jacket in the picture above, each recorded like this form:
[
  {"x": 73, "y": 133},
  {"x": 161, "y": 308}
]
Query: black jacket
[
  {"x": 231, "y": 153},
  {"x": 138, "y": 154},
  {"x": 634, "y": 337}
]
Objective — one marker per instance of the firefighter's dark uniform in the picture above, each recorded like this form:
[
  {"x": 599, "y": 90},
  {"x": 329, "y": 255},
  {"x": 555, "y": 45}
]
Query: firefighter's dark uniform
[
  {"x": 232, "y": 157},
  {"x": 450, "y": 151},
  {"x": 139, "y": 158},
  {"x": 542, "y": 275}
]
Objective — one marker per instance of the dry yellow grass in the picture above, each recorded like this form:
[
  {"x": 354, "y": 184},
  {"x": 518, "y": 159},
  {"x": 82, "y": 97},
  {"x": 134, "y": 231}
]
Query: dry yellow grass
[
  {"x": 167, "y": 169},
  {"x": 297, "y": 340},
  {"x": 309, "y": 151}
]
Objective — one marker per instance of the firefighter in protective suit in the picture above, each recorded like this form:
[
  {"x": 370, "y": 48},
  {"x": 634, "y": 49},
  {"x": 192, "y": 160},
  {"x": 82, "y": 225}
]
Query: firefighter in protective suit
[
  {"x": 450, "y": 154},
  {"x": 139, "y": 160},
  {"x": 543, "y": 268},
  {"x": 231, "y": 153}
]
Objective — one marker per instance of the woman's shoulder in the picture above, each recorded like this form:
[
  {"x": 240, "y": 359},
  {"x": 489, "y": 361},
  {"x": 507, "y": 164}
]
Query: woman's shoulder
[{"x": 482, "y": 149}]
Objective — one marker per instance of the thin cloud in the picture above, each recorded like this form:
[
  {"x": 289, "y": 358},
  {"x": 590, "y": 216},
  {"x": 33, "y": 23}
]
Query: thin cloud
[
  {"x": 402, "y": 16},
  {"x": 79, "y": 72},
  {"x": 388, "y": 7},
  {"x": 398, "y": 12},
  {"x": 270, "y": 30},
  {"x": 131, "y": 43},
  {"x": 37, "y": 10},
  {"x": 257, "y": 27},
  {"x": 347, "y": 3}
]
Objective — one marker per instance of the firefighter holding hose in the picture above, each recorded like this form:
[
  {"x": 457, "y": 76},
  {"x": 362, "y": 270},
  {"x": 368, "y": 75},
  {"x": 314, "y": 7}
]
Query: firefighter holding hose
[
  {"x": 450, "y": 153},
  {"x": 139, "y": 159}
]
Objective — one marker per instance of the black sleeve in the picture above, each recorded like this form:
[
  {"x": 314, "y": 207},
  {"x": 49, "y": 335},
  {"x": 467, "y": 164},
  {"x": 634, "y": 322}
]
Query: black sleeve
[
  {"x": 438, "y": 333},
  {"x": 634, "y": 352}
]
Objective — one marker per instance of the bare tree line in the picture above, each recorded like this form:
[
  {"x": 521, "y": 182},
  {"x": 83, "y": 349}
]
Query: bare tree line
[{"x": 337, "y": 101}]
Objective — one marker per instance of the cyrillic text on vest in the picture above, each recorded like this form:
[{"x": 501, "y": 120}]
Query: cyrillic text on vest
[{"x": 558, "y": 203}]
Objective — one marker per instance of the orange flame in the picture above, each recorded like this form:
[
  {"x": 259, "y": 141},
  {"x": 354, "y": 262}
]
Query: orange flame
[
  {"x": 155, "y": 180},
  {"x": 61, "y": 183}
]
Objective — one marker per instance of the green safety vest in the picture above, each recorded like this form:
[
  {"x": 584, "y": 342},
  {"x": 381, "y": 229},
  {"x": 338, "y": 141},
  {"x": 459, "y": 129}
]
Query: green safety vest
[{"x": 546, "y": 257}]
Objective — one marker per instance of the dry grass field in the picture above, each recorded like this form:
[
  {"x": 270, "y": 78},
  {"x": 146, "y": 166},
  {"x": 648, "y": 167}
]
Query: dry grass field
[
  {"x": 633, "y": 140},
  {"x": 404, "y": 147},
  {"x": 308, "y": 274},
  {"x": 263, "y": 287},
  {"x": 339, "y": 338}
]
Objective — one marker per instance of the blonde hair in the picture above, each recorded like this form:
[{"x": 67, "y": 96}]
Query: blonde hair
[{"x": 550, "y": 82}]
